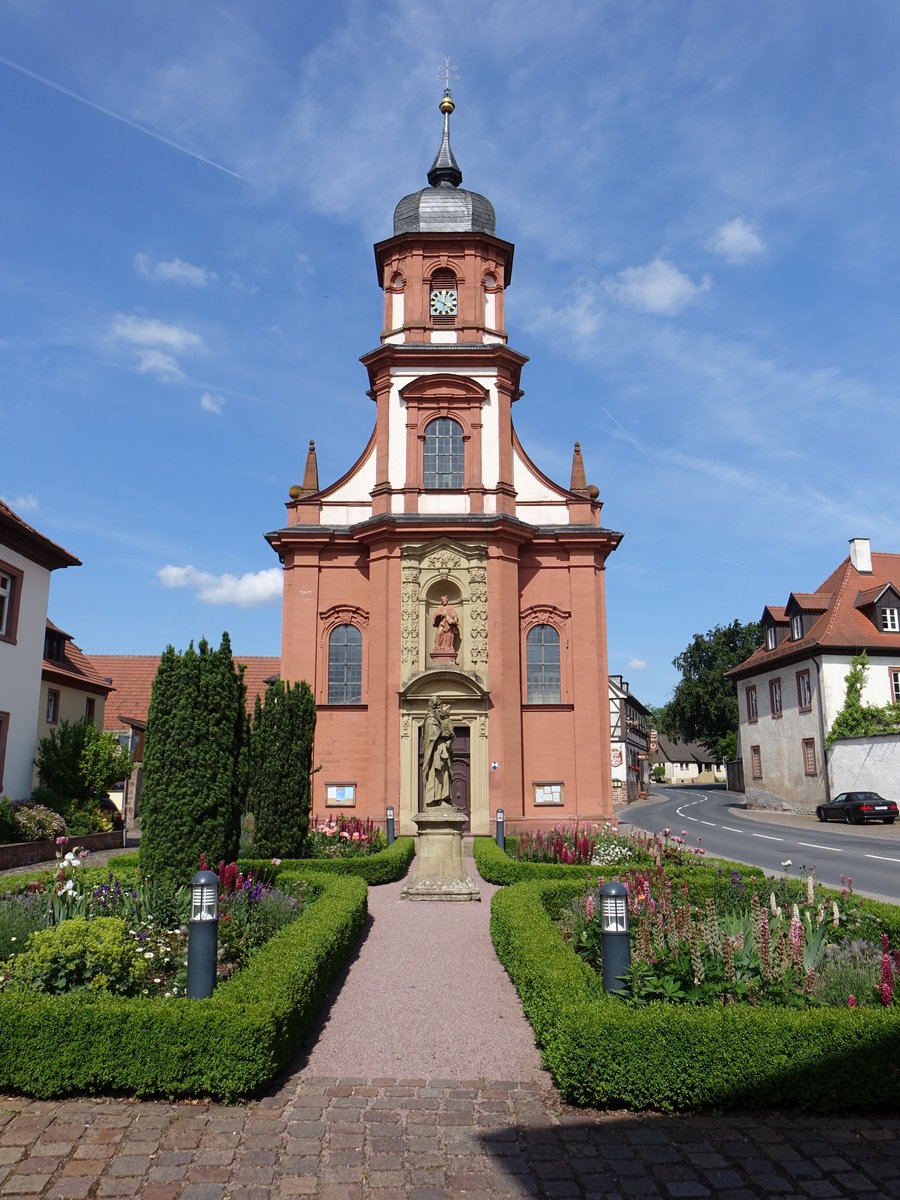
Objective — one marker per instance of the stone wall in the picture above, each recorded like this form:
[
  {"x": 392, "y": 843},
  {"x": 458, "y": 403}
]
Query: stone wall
[{"x": 22, "y": 854}]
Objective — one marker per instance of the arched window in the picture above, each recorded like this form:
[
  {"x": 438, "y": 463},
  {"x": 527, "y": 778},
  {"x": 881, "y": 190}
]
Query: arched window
[
  {"x": 345, "y": 665},
  {"x": 444, "y": 458},
  {"x": 542, "y": 665}
]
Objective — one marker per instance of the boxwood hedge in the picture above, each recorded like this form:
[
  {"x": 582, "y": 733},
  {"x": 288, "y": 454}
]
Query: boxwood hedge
[
  {"x": 227, "y": 1046},
  {"x": 385, "y": 866},
  {"x": 668, "y": 1057}
]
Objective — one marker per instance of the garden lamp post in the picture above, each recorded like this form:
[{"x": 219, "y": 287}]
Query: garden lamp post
[
  {"x": 203, "y": 933},
  {"x": 501, "y": 829},
  {"x": 615, "y": 937},
  {"x": 389, "y": 824}
]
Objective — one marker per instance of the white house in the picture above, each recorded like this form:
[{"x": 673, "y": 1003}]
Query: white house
[
  {"x": 26, "y": 560},
  {"x": 793, "y": 686},
  {"x": 629, "y": 724}
]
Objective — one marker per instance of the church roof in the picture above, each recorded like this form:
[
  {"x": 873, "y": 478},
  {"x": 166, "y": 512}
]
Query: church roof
[{"x": 445, "y": 207}]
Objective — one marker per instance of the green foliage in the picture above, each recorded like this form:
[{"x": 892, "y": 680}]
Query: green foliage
[
  {"x": 857, "y": 719},
  {"x": 80, "y": 763},
  {"x": 191, "y": 799},
  {"x": 704, "y": 706},
  {"x": 665, "y": 1056},
  {"x": 20, "y": 914},
  {"x": 228, "y": 1046},
  {"x": 496, "y": 865},
  {"x": 385, "y": 866},
  {"x": 78, "y": 956},
  {"x": 8, "y": 831},
  {"x": 658, "y": 772},
  {"x": 280, "y": 765}
]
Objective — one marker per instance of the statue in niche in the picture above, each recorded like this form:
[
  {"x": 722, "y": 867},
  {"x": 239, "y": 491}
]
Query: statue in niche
[
  {"x": 446, "y": 622},
  {"x": 437, "y": 758}
]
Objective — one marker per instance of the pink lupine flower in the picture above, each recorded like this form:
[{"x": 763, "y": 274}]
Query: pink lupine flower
[
  {"x": 590, "y": 908},
  {"x": 276, "y": 862},
  {"x": 887, "y": 973},
  {"x": 885, "y": 995},
  {"x": 836, "y": 916},
  {"x": 851, "y": 1002},
  {"x": 885, "y": 944},
  {"x": 810, "y": 894}
]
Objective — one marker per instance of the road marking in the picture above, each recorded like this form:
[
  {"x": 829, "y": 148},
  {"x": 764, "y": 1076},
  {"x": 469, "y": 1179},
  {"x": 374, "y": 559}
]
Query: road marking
[
  {"x": 731, "y": 829},
  {"x": 815, "y": 846},
  {"x": 711, "y": 824},
  {"x": 768, "y": 838},
  {"x": 881, "y": 858}
]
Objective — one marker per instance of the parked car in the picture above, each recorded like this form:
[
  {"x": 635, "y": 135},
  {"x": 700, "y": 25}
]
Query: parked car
[{"x": 857, "y": 807}]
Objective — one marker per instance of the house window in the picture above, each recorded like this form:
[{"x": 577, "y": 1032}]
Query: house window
[
  {"x": 809, "y": 756},
  {"x": 804, "y": 691},
  {"x": 752, "y": 710},
  {"x": 770, "y": 637},
  {"x": 755, "y": 762},
  {"x": 542, "y": 665},
  {"x": 345, "y": 665},
  {"x": 895, "y": 685},
  {"x": 52, "y": 706},
  {"x": 4, "y": 730},
  {"x": 775, "y": 696},
  {"x": 890, "y": 620},
  {"x": 797, "y": 627},
  {"x": 54, "y": 645},
  {"x": 90, "y": 708},
  {"x": 10, "y": 591},
  {"x": 444, "y": 458}
]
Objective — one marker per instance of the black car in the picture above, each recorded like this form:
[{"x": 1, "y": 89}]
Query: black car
[{"x": 856, "y": 807}]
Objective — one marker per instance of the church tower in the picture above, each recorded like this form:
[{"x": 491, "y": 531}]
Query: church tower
[{"x": 444, "y": 562}]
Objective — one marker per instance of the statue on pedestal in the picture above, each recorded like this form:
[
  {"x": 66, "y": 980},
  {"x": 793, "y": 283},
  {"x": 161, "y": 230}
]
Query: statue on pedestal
[
  {"x": 446, "y": 622},
  {"x": 437, "y": 759}
]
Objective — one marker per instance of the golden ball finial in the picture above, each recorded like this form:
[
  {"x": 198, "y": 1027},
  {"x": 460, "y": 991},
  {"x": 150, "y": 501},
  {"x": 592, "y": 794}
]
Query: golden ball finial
[
  {"x": 447, "y": 105},
  {"x": 294, "y": 492}
]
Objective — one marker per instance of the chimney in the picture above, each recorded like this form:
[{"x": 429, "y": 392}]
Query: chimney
[{"x": 861, "y": 555}]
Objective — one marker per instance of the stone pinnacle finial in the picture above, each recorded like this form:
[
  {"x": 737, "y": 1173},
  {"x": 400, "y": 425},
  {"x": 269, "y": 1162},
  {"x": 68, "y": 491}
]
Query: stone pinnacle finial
[
  {"x": 310, "y": 475},
  {"x": 579, "y": 483}
]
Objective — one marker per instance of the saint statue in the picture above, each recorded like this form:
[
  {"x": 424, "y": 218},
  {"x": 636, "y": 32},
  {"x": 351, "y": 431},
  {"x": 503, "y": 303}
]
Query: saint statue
[
  {"x": 446, "y": 622},
  {"x": 437, "y": 759}
]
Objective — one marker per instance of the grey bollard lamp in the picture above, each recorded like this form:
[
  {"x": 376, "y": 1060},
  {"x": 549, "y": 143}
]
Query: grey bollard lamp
[
  {"x": 203, "y": 934},
  {"x": 389, "y": 824},
  {"x": 501, "y": 829},
  {"x": 615, "y": 936}
]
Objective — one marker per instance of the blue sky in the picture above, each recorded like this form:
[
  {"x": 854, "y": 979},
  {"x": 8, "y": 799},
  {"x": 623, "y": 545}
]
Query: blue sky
[{"x": 703, "y": 198}]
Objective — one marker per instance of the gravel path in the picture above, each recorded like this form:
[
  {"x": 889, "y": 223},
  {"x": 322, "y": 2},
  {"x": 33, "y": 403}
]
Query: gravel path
[{"x": 425, "y": 996}]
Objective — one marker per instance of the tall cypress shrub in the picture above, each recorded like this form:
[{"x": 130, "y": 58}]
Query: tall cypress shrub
[
  {"x": 280, "y": 765},
  {"x": 192, "y": 792}
]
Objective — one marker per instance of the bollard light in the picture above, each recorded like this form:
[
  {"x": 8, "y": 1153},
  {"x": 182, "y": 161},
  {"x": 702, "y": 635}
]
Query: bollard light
[
  {"x": 501, "y": 829},
  {"x": 203, "y": 934},
  {"x": 615, "y": 936},
  {"x": 389, "y": 823}
]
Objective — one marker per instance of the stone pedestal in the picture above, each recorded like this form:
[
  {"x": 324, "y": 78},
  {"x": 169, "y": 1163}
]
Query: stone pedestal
[{"x": 438, "y": 871}]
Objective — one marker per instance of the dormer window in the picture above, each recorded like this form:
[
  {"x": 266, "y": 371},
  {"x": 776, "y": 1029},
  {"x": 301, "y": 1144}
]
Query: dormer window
[
  {"x": 890, "y": 620},
  {"x": 54, "y": 646},
  {"x": 770, "y": 637},
  {"x": 796, "y": 627}
]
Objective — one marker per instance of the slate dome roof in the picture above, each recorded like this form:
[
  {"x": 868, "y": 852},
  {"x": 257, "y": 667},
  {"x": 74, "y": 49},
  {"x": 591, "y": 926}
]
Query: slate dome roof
[{"x": 445, "y": 207}]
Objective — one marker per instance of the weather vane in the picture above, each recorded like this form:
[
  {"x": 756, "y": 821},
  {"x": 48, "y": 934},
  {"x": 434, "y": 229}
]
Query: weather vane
[{"x": 444, "y": 72}]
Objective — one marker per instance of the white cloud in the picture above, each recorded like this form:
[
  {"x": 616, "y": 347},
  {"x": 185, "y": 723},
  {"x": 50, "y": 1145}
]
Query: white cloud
[
  {"x": 636, "y": 664},
  {"x": 657, "y": 287},
  {"x": 737, "y": 241},
  {"x": 212, "y": 402},
  {"x": 157, "y": 362},
  {"x": 23, "y": 504},
  {"x": 146, "y": 331},
  {"x": 248, "y": 591},
  {"x": 172, "y": 271}
]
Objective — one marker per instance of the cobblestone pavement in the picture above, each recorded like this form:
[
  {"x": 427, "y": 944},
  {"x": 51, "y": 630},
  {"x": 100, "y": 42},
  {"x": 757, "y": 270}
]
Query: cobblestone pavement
[{"x": 342, "y": 1139}]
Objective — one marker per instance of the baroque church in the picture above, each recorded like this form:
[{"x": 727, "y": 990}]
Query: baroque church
[{"x": 444, "y": 563}]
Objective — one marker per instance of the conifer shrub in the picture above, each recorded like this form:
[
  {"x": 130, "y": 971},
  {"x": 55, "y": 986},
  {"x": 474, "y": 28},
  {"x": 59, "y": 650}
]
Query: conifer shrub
[
  {"x": 193, "y": 785},
  {"x": 281, "y": 743}
]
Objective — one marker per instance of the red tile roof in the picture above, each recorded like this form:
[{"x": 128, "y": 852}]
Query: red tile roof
[
  {"x": 75, "y": 669},
  {"x": 843, "y": 625},
  {"x": 20, "y": 536},
  {"x": 132, "y": 678}
]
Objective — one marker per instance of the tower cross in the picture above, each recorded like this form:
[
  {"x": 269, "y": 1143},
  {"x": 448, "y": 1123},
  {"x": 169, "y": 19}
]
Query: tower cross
[{"x": 444, "y": 72}]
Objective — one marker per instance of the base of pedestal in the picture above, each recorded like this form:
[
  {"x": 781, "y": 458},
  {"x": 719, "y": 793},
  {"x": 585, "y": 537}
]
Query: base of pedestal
[{"x": 438, "y": 870}]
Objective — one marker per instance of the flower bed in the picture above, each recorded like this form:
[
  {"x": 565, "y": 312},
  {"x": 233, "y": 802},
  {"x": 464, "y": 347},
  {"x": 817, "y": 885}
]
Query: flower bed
[
  {"x": 664, "y": 1056},
  {"x": 501, "y": 866},
  {"x": 381, "y": 866}
]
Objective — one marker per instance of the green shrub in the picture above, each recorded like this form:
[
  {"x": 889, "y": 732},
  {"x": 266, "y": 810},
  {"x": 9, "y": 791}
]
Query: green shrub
[
  {"x": 665, "y": 1057},
  {"x": 496, "y": 866},
  {"x": 284, "y": 725},
  {"x": 385, "y": 866},
  {"x": 78, "y": 956},
  {"x": 35, "y": 823},
  {"x": 8, "y": 831},
  {"x": 228, "y": 1046}
]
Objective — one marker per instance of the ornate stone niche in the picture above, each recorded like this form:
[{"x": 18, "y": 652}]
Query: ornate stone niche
[{"x": 430, "y": 570}]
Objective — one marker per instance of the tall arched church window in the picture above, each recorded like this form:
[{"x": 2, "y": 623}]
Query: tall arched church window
[
  {"x": 444, "y": 456},
  {"x": 345, "y": 665},
  {"x": 443, "y": 299},
  {"x": 542, "y": 665}
]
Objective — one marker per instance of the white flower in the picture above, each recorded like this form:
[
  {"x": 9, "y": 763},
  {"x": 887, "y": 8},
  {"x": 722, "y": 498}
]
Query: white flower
[{"x": 148, "y": 954}]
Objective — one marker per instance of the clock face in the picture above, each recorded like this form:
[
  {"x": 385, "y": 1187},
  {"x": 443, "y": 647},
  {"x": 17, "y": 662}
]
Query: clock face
[{"x": 443, "y": 302}]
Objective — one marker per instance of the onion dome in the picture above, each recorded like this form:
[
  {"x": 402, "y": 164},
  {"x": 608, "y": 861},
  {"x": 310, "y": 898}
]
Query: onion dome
[{"x": 445, "y": 207}]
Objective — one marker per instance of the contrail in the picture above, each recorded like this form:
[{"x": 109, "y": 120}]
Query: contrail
[
  {"x": 625, "y": 432},
  {"x": 117, "y": 116}
]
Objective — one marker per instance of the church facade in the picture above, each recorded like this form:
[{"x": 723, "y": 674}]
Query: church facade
[{"x": 444, "y": 564}]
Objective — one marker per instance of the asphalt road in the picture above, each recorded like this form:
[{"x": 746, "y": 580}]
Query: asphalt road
[{"x": 718, "y": 820}]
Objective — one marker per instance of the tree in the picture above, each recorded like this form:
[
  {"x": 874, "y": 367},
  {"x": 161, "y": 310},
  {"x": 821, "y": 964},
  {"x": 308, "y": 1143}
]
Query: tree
[
  {"x": 80, "y": 763},
  {"x": 857, "y": 719},
  {"x": 192, "y": 793},
  {"x": 280, "y": 766},
  {"x": 704, "y": 706}
]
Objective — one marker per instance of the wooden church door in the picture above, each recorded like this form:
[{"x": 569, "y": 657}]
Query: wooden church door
[{"x": 459, "y": 791}]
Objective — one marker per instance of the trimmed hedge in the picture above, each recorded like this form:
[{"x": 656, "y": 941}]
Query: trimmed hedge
[
  {"x": 496, "y": 866},
  {"x": 226, "y": 1047},
  {"x": 385, "y": 866},
  {"x": 668, "y": 1056}
]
